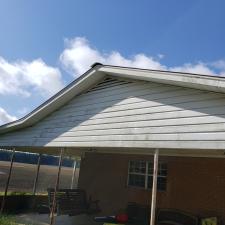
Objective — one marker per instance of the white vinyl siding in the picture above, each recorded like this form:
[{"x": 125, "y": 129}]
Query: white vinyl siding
[{"x": 119, "y": 113}]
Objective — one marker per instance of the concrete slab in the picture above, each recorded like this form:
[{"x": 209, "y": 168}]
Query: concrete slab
[{"x": 43, "y": 219}]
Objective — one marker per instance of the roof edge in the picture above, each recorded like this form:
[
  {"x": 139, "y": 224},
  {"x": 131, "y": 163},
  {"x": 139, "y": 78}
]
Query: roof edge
[
  {"x": 98, "y": 71},
  {"x": 67, "y": 93},
  {"x": 196, "y": 81}
]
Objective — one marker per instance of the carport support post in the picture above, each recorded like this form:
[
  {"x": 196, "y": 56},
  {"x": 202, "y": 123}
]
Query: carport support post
[
  {"x": 37, "y": 174},
  {"x": 154, "y": 187},
  {"x": 56, "y": 188},
  {"x": 74, "y": 173},
  {"x": 8, "y": 180}
]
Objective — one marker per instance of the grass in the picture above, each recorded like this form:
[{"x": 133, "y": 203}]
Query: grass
[
  {"x": 9, "y": 220},
  {"x": 16, "y": 193},
  {"x": 10, "y": 193},
  {"x": 21, "y": 193}
]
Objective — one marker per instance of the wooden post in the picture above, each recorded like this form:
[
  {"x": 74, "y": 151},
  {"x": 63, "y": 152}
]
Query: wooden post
[
  {"x": 74, "y": 174},
  {"x": 8, "y": 180},
  {"x": 37, "y": 174},
  {"x": 154, "y": 187},
  {"x": 56, "y": 188}
]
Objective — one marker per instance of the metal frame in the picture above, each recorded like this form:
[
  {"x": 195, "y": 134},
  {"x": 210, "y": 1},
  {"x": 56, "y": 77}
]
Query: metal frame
[
  {"x": 146, "y": 174},
  {"x": 154, "y": 188},
  {"x": 52, "y": 213},
  {"x": 7, "y": 182},
  {"x": 74, "y": 174},
  {"x": 37, "y": 175}
]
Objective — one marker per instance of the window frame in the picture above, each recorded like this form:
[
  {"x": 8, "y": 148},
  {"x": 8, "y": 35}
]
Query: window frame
[{"x": 146, "y": 174}]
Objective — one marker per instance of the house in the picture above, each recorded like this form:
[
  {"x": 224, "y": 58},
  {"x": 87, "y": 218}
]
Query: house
[{"x": 117, "y": 118}]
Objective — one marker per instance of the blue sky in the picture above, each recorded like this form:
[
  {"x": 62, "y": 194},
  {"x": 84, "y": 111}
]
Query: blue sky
[{"x": 44, "y": 45}]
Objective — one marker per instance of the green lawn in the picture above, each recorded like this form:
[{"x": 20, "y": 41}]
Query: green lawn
[
  {"x": 15, "y": 193},
  {"x": 21, "y": 193},
  {"x": 9, "y": 220}
]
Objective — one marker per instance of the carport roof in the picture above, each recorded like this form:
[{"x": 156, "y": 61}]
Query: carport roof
[{"x": 98, "y": 72}]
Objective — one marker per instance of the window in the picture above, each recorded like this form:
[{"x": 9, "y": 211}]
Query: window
[{"x": 140, "y": 174}]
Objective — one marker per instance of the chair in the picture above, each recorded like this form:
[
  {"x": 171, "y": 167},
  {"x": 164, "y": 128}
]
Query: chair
[
  {"x": 72, "y": 202},
  {"x": 175, "y": 217}
]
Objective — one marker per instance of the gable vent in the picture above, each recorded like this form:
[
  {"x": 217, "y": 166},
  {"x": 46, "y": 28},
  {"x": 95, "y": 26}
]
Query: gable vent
[{"x": 108, "y": 82}]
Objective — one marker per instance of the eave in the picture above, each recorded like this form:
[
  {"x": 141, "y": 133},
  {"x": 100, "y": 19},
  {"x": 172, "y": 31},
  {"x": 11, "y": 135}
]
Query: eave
[{"x": 98, "y": 72}]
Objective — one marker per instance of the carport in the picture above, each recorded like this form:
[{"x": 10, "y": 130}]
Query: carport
[{"x": 127, "y": 112}]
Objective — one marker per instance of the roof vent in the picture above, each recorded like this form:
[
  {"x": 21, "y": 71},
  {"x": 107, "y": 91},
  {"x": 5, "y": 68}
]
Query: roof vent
[{"x": 96, "y": 64}]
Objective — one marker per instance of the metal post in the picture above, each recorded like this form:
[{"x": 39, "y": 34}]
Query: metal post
[
  {"x": 56, "y": 188},
  {"x": 154, "y": 187},
  {"x": 7, "y": 182},
  {"x": 37, "y": 174},
  {"x": 74, "y": 174},
  {"x": 78, "y": 175}
]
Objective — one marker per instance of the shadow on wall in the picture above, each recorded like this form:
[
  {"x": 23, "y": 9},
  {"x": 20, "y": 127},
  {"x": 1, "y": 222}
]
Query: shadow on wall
[{"x": 115, "y": 108}]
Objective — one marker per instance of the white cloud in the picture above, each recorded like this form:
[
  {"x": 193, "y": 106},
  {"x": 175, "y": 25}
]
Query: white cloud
[
  {"x": 23, "y": 111},
  {"x": 5, "y": 117},
  {"x": 23, "y": 78},
  {"x": 161, "y": 56},
  {"x": 199, "y": 68},
  {"x": 220, "y": 64},
  {"x": 79, "y": 55}
]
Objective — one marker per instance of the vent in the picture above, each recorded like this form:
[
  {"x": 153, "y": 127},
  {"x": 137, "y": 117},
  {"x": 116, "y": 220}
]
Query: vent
[{"x": 108, "y": 82}]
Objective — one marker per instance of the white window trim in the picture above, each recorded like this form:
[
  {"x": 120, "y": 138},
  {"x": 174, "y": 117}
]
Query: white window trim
[{"x": 142, "y": 174}]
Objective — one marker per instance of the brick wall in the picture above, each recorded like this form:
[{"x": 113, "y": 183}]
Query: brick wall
[{"x": 196, "y": 185}]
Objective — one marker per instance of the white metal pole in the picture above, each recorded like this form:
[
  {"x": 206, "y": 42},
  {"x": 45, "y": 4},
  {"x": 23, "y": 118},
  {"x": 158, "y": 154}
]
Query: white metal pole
[
  {"x": 74, "y": 174},
  {"x": 8, "y": 180},
  {"x": 78, "y": 173},
  {"x": 154, "y": 187},
  {"x": 56, "y": 189},
  {"x": 37, "y": 174}
]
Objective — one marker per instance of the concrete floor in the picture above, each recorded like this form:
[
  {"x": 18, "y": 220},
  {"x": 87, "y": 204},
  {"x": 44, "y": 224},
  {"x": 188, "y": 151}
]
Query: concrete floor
[{"x": 43, "y": 219}]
